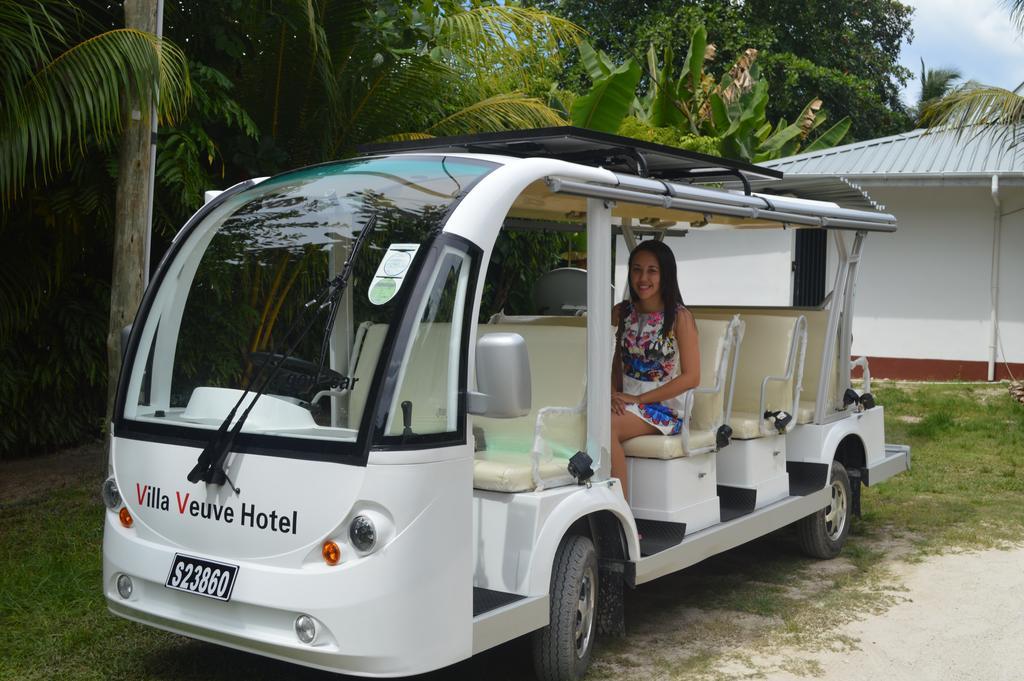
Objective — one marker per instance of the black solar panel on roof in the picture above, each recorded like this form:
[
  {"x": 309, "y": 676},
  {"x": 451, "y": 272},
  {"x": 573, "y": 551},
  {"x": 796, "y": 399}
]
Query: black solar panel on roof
[{"x": 588, "y": 147}]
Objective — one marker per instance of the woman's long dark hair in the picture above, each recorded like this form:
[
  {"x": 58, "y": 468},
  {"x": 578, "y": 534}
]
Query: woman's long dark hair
[{"x": 670, "y": 295}]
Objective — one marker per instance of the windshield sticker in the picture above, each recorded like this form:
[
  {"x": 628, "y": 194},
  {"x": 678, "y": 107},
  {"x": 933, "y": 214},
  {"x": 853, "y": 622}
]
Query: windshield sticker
[{"x": 391, "y": 272}]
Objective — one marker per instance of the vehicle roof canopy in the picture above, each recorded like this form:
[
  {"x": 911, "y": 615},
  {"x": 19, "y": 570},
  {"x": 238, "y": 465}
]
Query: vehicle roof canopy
[{"x": 655, "y": 188}]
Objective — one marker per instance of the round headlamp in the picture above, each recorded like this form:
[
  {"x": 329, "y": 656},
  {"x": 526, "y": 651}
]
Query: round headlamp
[
  {"x": 305, "y": 628},
  {"x": 363, "y": 533},
  {"x": 111, "y": 495},
  {"x": 124, "y": 586}
]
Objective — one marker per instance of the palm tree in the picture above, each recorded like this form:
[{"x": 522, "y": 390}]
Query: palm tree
[
  {"x": 935, "y": 84},
  {"x": 327, "y": 75},
  {"x": 975, "y": 104},
  {"x": 62, "y": 86}
]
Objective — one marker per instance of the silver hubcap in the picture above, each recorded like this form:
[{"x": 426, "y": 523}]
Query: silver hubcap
[
  {"x": 835, "y": 512},
  {"x": 585, "y": 613}
]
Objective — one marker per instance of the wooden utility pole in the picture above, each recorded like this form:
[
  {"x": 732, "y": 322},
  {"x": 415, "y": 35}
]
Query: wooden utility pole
[{"x": 132, "y": 208}]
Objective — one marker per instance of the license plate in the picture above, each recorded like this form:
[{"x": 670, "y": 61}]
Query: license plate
[{"x": 202, "y": 577}]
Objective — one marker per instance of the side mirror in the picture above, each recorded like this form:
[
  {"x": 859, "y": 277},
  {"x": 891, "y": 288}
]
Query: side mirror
[{"x": 502, "y": 377}]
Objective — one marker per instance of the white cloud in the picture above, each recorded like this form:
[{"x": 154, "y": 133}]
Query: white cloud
[{"x": 975, "y": 37}]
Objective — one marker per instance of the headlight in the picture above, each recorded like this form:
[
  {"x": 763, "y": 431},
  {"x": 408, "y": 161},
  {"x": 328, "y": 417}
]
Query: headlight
[
  {"x": 124, "y": 586},
  {"x": 111, "y": 495},
  {"x": 305, "y": 628},
  {"x": 363, "y": 533}
]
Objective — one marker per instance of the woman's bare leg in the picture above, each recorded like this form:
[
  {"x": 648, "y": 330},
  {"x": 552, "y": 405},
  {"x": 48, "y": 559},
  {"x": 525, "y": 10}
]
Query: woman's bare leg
[{"x": 624, "y": 427}]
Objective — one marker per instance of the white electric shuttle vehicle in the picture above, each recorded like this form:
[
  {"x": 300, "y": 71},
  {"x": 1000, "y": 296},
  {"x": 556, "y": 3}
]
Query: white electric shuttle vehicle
[{"x": 327, "y": 450}]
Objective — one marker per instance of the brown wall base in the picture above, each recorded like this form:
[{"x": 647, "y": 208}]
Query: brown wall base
[{"x": 937, "y": 369}]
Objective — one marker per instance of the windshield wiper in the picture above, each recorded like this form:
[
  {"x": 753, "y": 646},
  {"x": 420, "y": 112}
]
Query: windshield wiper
[{"x": 210, "y": 466}]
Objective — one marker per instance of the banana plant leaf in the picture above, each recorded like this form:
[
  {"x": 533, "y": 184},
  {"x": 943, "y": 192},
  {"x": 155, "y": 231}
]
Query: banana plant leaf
[
  {"x": 608, "y": 102},
  {"x": 832, "y": 136},
  {"x": 694, "y": 63},
  {"x": 662, "y": 111},
  {"x": 598, "y": 65}
]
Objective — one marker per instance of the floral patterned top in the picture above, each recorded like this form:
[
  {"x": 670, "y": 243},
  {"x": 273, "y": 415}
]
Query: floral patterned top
[{"x": 649, "y": 360}]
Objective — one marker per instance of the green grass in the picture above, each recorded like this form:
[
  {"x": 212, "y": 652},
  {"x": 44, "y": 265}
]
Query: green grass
[{"x": 965, "y": 490}]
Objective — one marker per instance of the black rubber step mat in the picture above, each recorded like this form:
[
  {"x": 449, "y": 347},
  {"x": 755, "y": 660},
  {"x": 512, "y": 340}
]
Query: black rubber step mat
[
  {"x": 805, "y": 478},
  {"x": 735, "y": 502},
  {"x": 485, "y": 600},
  {"x": 658, "y": 535}
]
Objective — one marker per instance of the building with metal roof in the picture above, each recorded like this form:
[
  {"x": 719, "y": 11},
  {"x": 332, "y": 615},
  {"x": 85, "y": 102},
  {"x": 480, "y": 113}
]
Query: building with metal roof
[
  {"x": 956, "y": 309},
  {"x": 929, "y": 157}
]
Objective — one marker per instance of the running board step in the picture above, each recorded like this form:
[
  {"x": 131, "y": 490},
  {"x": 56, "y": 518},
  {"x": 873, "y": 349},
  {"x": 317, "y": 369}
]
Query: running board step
[
  {"x": 735, "y": 501},
  {"x": 658, "y": 535},
  {"x": 805, "y": 477},
  {"x": 485, "y": 600}
]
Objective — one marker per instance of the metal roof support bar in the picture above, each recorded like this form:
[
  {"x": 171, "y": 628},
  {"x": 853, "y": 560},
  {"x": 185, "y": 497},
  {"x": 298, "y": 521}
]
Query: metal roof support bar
[
  {"x": 726, "y": 205},
  {"x": 835, "y": 312},
  {"x": 846, "y": 337},
  {"x": 779, "y": 203},
  {"x": 599, "y": 318}
]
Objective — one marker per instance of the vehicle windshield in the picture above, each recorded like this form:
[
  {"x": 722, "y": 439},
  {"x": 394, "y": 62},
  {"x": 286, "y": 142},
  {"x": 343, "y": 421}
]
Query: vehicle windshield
[{"x": 236, "y": 297}]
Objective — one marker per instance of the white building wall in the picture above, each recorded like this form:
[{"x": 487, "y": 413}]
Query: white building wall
[
  {"x": 1011, "y": 276},
  {"x": 726, "y": 267},
  {"x": 923, "y": 292}
]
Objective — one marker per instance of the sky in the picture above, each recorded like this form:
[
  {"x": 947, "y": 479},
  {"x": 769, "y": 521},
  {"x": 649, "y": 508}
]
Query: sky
[{"x": 973, "y": 36}]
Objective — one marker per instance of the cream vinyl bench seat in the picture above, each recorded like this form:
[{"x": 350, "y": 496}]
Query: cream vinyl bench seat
[
  {"x": 768, "y": 371},
  {"x": 719, "y": 348},
  {"x": 817, "y": 330},
  {"x": 532, "y": 452},
  {"x": 673, "y": 478},
  {"x": 719, "y": 341},
  {"x": 505, "y": 460}
]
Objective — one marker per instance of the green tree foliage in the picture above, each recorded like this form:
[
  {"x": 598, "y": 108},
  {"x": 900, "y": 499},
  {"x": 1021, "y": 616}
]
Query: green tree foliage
[
  {"x": 936, "y": 84},
  {"x": 844, "y": 53},
  {"x": 320, "y": 78},
  {"x": 62, "y": 86},
  {"x": 273, "y": 85},
  {"x": 730, "y": 110}
]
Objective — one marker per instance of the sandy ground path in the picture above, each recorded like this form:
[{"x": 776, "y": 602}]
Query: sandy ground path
[{"x": 962, "y": 617}]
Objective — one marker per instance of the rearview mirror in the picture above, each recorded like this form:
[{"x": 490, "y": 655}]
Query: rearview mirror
[{"x": 502, "y": 377}]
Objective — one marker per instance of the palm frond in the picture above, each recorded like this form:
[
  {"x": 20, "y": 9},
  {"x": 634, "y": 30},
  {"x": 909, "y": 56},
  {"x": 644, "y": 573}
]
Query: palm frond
[
  {"x": 404, "y": 137},
  {"x": 396, "y": 97},
  {"x": 77, "y": 98},
  {"x": 975, "y": 105},
  {"x": 506, "y": 34},
  {"x": 502, "y": 112},
  {"x": 1016, "y": 8}
]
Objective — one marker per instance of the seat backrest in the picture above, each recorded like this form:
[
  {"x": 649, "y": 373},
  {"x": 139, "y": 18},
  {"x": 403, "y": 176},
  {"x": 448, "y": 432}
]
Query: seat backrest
[
  {"x": 708, "y": 408},
  {"x": 558, "y": 377},
  {"x": 767, "y": 342},
  {"x": 365, "y": 353},
  {"x": 817, "y": 329}
]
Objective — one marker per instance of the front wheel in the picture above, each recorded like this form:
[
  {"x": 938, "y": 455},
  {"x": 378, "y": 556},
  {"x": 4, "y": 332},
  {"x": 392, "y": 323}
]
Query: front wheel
[
  {"x": 823, "y": 534},
  {"x": 561, "y": 650}
]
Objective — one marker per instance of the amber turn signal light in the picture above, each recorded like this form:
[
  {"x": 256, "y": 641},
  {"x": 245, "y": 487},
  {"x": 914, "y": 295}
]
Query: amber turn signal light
[
  {"x": 125, "y": 517},
  {"x": 331, "y": 553}
]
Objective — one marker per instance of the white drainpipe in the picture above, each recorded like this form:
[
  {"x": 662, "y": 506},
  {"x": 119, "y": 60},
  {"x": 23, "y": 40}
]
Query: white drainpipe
[{"x": 997, "y": 228}]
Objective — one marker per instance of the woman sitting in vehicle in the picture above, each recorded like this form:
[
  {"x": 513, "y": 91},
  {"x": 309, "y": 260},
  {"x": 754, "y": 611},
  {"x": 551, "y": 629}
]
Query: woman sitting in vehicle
[{"x": 657, "y": 357}]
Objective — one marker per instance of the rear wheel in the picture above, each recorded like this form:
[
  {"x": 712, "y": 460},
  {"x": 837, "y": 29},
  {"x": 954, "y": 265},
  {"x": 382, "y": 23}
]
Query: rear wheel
[
  {"x": 823, "y": 534},
  {"x": 561, "y": 650}
]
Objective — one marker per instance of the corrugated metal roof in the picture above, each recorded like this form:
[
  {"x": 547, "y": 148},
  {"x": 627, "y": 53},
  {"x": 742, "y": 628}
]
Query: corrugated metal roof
[
  {"x": 919, "y": 153},
  {"x": 838, "y": 190}
]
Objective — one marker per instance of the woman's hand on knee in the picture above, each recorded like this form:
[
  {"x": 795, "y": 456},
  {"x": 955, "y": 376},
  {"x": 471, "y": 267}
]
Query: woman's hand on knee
[{"x": 619, "y": 402}]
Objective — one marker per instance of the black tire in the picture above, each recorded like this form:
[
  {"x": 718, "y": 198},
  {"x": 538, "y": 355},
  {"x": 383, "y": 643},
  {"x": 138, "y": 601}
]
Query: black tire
[
  {"x": 561, "y": 650},
  {"x": 823, "y": 534}
]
